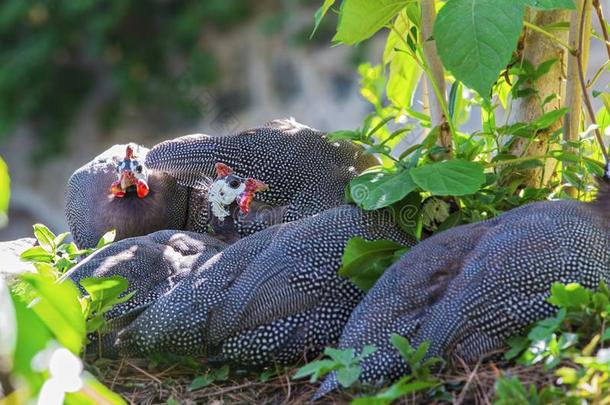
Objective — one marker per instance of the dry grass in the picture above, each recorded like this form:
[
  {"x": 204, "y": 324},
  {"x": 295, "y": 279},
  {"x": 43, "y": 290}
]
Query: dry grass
[{"x": 141, "y": 383}]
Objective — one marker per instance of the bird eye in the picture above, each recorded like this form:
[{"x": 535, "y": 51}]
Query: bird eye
[
  {"x": 234, "y": 183},
  {"x": 139, "y": 169}
]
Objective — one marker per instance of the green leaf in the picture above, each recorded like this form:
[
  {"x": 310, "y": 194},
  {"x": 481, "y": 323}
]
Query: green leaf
[
  {"x": 376, "y": 190},
  {"x": 345, "y": 357},
  {"x": 45, "y": 237},
  {"x": 360, "y": 257},
  {"x": 404, "y": 77},
  {"x": 106, "y": 239},
  {"x": 319, "y": 15},
  {"x": 348, "y": 376},
  {"x": 316, "y": 370},
  {"x": 569, "y": 296},
  {"x": 452, "y": 177},
  {"x": 58, "y": 307},
  {"x": 551, "y": 4},
  {"x": 37, "y": 254},
  {"x": 360, "y": 19},
  {"x": 475, "y": 39},
  {"x": 549, "y": 118},
  {"x": 104, "y": 289}
]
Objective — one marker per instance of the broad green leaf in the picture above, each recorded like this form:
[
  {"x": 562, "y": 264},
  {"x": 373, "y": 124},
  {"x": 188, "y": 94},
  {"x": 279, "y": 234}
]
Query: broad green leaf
[
  {"x": 37, "y": 254},
  {"x": 475, "y": 39},
  {"x": 58, "y": 307},
  {"x": 551, "y": 4},
  {"x": 569, "y": 296},
  {"x": 365, "y": 261},
  {"x": 319, "y": 15},
  {"x": 360, "y": 19},
  {"x": 104, "y": 289},
  {"x": 452, "y": 177},
  {"x": 45, "y": 236},
  {"x": 5, "y": 192},
  {"x": 32, "y": 337},
  {"x": 376, "y": 190},
  {"x": 403, "y": 79}
]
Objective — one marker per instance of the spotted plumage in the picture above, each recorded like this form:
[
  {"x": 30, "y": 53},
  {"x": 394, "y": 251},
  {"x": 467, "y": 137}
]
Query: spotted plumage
[
  {"x": 306, "y": 174},
  {"x": 274, "y": 296},
  {"x": 468, "y": 289},
  {"x": 152, "y": 264}
]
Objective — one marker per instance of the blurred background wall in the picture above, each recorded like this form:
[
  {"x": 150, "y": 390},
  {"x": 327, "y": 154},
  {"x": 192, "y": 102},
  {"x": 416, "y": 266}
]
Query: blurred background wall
[{"x": 77, "y": 76}]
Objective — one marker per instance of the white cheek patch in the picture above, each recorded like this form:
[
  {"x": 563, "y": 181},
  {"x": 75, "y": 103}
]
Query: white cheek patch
[{"x": 221, "y": 195}]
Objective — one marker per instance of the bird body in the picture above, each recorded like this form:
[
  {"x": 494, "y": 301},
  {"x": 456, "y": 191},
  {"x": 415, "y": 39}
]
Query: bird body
[{"x": 273, "y": 296}]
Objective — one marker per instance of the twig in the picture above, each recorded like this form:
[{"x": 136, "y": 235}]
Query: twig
[
  {"x": 602, "y": 22},
  {"x": 471, "y": 376},
  {"x": 147, "y": 374},
  {"x": 117, "y": 374}
]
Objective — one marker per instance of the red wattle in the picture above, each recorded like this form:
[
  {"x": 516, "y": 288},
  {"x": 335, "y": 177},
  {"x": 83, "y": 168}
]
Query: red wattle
[{"x": 142, "y": 188}]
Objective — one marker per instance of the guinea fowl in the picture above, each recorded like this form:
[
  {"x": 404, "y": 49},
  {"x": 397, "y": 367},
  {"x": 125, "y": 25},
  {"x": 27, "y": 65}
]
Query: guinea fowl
[
  {"x": 304, "y": 171},
  {"x": 468, "y": 289},
  {"x": 305, "y": 174},
  {"x": 274, "y": 296}
]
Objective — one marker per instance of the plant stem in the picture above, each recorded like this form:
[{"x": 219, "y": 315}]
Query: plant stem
[
  {"x": 544, "y": 32},
  {"x": 583, "y": 84},
  {"x": 517, "y": 160},
  {"x": 602, "y": 22}
]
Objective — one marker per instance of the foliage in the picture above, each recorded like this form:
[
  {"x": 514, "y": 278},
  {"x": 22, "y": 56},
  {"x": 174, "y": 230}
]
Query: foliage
[
  {"x": 364, "y": 261},
  {"x": 52, "y": 254},
  {"x": 46, "y": 323},
  {"x": 476, "y": 175},
  {"x": 344, "y": 362},
  {"x": 572, "y": 343},
  {"x": 57, "y": 50}
]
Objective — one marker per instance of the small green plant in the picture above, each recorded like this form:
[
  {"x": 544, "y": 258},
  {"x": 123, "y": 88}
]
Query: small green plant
[
  {"x": 52, "y": 250},
  {"x": 572, "y": 343},
  {"x": 420, "y": 377},
  {"x": 344, "y": 362},
  {"x": 210, "y": 377}
]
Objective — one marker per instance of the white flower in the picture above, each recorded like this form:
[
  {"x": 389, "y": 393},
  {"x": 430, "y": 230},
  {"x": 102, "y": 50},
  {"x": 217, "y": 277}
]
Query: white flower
[{"x": 65, "y": 371}]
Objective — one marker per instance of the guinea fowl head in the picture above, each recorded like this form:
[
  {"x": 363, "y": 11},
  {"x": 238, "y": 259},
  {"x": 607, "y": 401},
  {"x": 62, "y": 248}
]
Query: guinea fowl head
[
  {"x": 116, "y": 190},
  {"x": 132, "y": 176},
  {"x": 229, "y": 188}
]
